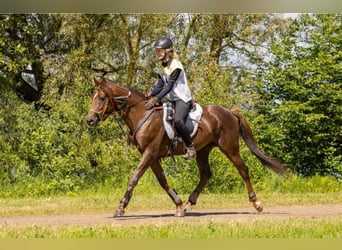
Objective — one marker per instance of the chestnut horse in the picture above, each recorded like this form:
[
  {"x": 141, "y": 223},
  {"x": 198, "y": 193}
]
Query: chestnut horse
[{"x": 219, "y": 127}]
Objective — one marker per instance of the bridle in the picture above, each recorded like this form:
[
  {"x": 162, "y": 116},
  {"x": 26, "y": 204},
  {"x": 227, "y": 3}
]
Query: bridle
[
  {"x": 112, "y": 101},
  {"x": 117, "y": 103}
]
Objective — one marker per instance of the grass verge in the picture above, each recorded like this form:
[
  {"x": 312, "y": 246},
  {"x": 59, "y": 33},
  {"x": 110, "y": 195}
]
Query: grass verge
[{"x": 285, "y": 228}]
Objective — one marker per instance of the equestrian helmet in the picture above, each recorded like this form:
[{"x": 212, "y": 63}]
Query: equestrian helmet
[{"x": 163, "y": 43}]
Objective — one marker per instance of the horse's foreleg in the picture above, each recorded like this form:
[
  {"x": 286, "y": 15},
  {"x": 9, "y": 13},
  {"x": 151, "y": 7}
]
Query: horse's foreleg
[
  {"x": 158, "y": 171},
  {"x": 144, "y": 164},
  {"x": 205, "y": 174}
]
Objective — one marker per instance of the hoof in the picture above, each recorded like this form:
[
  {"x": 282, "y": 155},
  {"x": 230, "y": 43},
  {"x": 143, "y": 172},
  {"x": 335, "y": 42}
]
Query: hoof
[
  {"x": 187, "y": 207},
  {"x": 179, "y": 213},
  {"x": 119, "y": 213},
  {"x": 258, "y": 206}
]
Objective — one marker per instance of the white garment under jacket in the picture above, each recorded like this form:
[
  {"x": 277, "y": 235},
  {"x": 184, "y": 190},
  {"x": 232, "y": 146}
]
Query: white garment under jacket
[{"x": 180, "y": 88}]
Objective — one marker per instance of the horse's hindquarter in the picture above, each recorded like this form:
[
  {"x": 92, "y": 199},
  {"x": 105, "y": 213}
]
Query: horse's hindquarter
[
  {"x": 218, "y": 125},
  {"x": 215, "y": 121}
]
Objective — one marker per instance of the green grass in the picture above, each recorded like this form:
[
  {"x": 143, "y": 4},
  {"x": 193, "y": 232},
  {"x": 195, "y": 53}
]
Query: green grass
[{"x": 284, "y": 228}]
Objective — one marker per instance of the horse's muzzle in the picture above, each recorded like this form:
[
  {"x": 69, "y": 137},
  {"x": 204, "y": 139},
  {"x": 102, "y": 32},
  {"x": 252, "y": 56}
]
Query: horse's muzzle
[{"x": 93, "y": 120}]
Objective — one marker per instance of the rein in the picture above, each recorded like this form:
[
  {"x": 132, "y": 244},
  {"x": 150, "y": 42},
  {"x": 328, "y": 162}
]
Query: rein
[
  {"x": 123, "y": 100},
  {"x": 136, "y": 103}
]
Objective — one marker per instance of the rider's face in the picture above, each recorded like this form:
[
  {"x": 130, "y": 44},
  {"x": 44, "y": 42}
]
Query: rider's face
[{"x": 161, "y": 54}]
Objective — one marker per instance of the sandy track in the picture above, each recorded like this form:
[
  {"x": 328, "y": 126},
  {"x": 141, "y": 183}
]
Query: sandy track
[{"x": 164, "y": 217}]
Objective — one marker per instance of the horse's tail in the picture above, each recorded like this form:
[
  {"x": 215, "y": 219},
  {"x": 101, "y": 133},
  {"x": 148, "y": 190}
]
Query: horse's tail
[{"x": 247, "y": 135}]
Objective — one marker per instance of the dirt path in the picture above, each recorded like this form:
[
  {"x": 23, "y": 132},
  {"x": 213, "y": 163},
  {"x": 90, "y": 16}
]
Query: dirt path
[{"x": 164, "y": 217}]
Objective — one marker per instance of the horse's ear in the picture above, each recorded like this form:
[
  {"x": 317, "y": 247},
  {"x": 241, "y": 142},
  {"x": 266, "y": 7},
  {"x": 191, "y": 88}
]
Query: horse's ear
[{"x": 97, "y": 83}]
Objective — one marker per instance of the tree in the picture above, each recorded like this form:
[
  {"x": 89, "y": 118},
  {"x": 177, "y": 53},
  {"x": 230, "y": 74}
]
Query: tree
[
  {"x": 301, "y": 95},
  {"x": 26, "y": 41}
]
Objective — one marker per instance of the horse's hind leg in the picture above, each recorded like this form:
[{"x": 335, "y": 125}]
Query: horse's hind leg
[
  {"x": 205, "y": 174},
  {"x": 234, "y": 155},
  {"x": 158, "y": 171},
  {"x": 243, "y": 170}
]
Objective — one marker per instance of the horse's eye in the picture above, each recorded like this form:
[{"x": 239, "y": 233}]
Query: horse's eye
[{"x": 102, "y": 98}]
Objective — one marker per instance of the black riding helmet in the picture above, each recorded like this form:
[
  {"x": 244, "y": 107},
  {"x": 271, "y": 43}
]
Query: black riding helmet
[{"x": 163, "y": 43}]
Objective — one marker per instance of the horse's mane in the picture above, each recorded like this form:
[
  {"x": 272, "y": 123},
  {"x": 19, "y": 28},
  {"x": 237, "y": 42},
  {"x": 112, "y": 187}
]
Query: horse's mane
[{"x": 136, "y": 92}]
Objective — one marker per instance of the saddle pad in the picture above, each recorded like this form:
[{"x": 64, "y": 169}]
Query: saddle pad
[{"x": 195, "y": 116}]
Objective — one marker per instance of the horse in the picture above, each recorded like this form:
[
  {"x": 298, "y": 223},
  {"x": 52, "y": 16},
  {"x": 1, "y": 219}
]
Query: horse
[{"x": 219, "y": 127}]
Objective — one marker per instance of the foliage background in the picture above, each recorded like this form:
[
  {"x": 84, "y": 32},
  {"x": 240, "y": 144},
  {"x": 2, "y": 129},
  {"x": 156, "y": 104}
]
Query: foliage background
[{"x": 284, "y": 73}]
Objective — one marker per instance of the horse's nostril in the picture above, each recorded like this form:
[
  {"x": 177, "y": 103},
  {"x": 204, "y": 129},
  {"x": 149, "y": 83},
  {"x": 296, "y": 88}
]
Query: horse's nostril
[{"x": 90, "y": 121}]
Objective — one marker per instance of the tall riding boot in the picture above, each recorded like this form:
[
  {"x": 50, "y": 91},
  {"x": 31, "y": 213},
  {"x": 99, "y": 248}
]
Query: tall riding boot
[{"x": 190, "y": 152}]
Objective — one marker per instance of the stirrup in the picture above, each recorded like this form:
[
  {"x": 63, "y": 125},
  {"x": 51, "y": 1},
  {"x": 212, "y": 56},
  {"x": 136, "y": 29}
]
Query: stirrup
[{"x": 190, "y": 153}]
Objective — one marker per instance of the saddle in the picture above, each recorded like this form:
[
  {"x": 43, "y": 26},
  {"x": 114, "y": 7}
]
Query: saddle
[{"x": 192, "y": 120}]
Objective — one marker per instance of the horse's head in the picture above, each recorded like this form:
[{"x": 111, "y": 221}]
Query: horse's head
[
  {"x": 102, "y": 105},
  {"x": 110, "y": 98}
]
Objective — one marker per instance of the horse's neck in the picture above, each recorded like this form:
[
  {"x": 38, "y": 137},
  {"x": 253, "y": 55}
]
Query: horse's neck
[
  {"x": 134, "y": 113},
  {"x": 135, "y": 107}
]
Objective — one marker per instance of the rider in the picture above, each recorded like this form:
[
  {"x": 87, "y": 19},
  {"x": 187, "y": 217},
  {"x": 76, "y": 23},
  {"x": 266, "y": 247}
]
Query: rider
[{"x": 176, "y": 90}]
